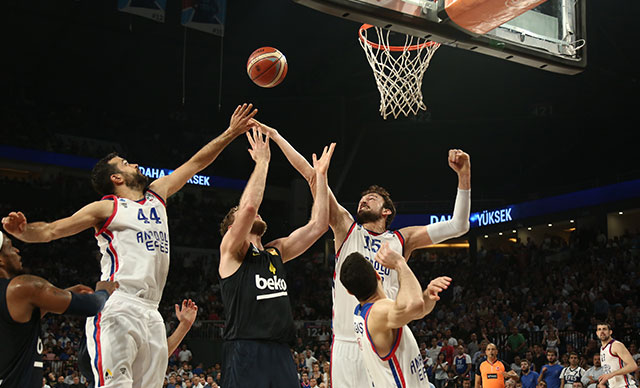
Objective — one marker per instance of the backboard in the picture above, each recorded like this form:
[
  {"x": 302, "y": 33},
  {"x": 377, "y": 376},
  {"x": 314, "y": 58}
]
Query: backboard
[{"x": 548, "y": 35}]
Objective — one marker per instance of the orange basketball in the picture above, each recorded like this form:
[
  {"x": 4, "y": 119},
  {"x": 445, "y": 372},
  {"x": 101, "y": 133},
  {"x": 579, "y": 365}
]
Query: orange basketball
[{"x": 267, "y": 67}]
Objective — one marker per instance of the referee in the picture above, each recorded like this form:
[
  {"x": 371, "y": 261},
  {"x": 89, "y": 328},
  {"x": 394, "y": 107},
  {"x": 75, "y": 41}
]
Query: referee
[{"x": 492, "y": 371}]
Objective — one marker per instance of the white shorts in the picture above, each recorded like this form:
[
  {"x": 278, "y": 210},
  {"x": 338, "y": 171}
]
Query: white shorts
[
  {"x": 347, "y": 366},
  {"x": 127, "y": 343}
]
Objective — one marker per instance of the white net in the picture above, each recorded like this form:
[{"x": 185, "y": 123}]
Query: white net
[{"x": 398, "y": 70}]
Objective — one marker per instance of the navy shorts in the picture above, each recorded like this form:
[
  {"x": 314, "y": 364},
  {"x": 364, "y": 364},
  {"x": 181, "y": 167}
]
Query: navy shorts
[{"x": 258, "y": 364}]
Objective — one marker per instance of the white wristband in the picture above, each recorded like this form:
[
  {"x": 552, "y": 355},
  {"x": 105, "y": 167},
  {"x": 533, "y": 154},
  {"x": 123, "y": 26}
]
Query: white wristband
[{"x": 459, "y": 222}]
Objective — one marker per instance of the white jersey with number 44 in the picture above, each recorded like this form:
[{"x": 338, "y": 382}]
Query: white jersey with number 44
[
  {"x": 367, "y": 243},
  {"x": 134, "y": 244}
]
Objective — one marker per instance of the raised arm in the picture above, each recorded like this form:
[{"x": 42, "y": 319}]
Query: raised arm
[
  {"x": 417, "y": 237},
  {"x": 186, "y": 316},
  {"x": 302, "y": 238},
  {"x": 339, "y": 218},
  {"x": 234, "y": 242},
  {"x": 430, "y": 295},
  {"x": 92, "y": 215},
  {"x": 170, "y": 184},
  {"x": 409, "y": 303},
  {"x": 26, "y": 293}
]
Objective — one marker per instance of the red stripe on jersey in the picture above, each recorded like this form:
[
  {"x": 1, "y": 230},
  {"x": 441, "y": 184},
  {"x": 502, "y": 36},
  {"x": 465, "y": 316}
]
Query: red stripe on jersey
[
  {"x": 113, "y": 213},
  {"x": 399, "y": 370},
  {"x": 345, "y": 239},
  {"x": 115, "y": 255}
]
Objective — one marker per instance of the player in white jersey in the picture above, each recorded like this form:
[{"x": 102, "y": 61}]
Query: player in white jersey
[
  {"x": 127, "y": 341},
  {"x": 618, "y": 364},
  {"x": 390, "y": 352},
  {"x": 366, "y": 234}
]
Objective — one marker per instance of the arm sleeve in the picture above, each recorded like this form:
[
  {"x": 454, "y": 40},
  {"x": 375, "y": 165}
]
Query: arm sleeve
[
  {"x": 87, "y": 305},
  {"x": 458, "y": 224}
]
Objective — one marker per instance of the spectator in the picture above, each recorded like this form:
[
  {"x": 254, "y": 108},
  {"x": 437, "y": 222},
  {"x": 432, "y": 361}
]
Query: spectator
[
  {"x": 528, "y": 377},
  {"x": 452, "y": 379},
  {"x": 473, "y": 346},
  {"x": 210, "y": 382},
  {"x": 315, "y": 373},
  {"x": 516, "y": 344},
  {"x": 449, "y": 352},
  {"x": 590, "y": 377},
  {"x": 440, "y": 370},
  {"x": 172, "y": 382},
  {"x": 76, "y": 383},
  {"x": 185, "y": 354},
  {"x": 434, "y": 350},
  {"x": 515, "y": 365},
  {"x": 44, "y": 383},
  {"x": 550, "y": 338},
  {"x": 60, "y": 383},
  {"x": 550, "y": 373},
  {"x": 450, "y": 339},
  {"x": 539, "y": 357},
  {"x": 462, "y": 364},
  {"x": 304, "y": 381},
  {"x": 572, "y": 373},
  {"x": 309, "y": 360}
]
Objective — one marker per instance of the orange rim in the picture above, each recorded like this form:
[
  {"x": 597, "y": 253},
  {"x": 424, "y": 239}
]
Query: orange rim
[{"x": 391, "y": 48}]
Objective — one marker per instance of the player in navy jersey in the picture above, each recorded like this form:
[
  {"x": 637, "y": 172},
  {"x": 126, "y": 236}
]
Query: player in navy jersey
[
  {"x": 131, "y": 229},
  {"x": 24, "y": 299},
  {"x": 259, "y": 321},
  {"x": 366, "y": 234}
]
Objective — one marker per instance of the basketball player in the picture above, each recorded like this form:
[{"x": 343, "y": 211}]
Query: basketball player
[
  {"x": 127, "y": 341},
  {"x": 389, "y": 350},
  {"x": 24, "y": 299},
  {"x": 366, "y": 235},
  {"x": 186, "y": 314},
  {"x": 617, "y": 362},
  {"x": 259, "y": 321}
]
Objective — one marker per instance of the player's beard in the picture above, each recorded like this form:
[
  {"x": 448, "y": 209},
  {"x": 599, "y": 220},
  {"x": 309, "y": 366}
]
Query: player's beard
[
  {"x": 259, "y": 227},
  {"x": 14, "y": 269},
  {"x": 136, "y": 181},
  {"x": 366, "y": 216}
]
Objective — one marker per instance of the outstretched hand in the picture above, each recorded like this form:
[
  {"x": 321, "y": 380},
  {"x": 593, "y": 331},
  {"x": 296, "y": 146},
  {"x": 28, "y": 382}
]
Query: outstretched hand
[
  {"x": 187, "y": 312},
  {"x": 80, "y": 289},
  {"x": 259, "y": 147},
  {"x": 108, "y": 286},
  {"x": 241, "y": 120},
  {"x": 15, "y": 223},
  {"x": 264, "y": 128},
  {"x": 459, "y": 161},
  {"x": 436, "y": 286},
  {"x": 322, "y": 165},
  {"x": 388, "y": 257}
]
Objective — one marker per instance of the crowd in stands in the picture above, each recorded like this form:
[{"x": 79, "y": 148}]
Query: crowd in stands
[{"x": 529, "y": 298}]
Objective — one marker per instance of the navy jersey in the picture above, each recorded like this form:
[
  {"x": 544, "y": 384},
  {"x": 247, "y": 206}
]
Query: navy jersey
[
  {"x": 255, "y": 299},
  {"x": 20, "y": 347}
]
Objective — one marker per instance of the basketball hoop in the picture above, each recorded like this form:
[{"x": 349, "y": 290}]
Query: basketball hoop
[{"x": 398, "y": 70}]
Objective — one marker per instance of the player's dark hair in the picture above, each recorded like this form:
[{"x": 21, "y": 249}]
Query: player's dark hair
[
  {"x": 603, "y": 323},
  {"x": 386, "y": 197},
  {"x": 101, "y": 175},
  {"x": 358, "y": 276},
  {"x": 553, "y": 351},
  {"x": 228, "y": 220}
]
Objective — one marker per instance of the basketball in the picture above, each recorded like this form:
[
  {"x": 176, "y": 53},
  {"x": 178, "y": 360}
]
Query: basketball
[{"x": 267, "y": 67}]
